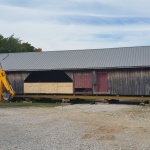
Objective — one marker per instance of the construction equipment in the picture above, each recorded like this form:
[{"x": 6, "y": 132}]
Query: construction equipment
[{"x": 5, "y": 84}]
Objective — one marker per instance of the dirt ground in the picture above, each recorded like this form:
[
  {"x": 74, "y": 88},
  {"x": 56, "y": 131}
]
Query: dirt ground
[{"x": 75, "y": 127}]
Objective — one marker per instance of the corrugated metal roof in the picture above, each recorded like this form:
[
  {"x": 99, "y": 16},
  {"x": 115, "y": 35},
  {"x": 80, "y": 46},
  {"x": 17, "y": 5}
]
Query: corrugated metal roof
[{"x": 125, "y": 57}]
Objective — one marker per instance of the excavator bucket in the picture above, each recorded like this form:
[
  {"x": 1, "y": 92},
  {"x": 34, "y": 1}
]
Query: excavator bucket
[{"x": 6, "y": 96}]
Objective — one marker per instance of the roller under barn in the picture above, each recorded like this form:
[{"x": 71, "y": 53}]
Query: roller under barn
[{"x": 94, "y": 72}]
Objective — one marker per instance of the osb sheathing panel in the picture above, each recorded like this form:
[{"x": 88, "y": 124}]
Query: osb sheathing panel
[{"x": 66, "y": 88}]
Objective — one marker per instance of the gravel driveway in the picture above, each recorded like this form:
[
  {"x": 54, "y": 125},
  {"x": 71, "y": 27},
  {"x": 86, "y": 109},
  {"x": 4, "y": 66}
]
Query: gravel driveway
[{"x": 75, "y": 127}]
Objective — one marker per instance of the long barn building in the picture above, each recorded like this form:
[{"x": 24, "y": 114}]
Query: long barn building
[{"x": 113, "y": 71}]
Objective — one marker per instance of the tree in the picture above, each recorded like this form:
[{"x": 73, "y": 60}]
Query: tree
[
  {"x": 38, "y": 50},
  {"x": 27, "y": 47},
  {"x": 13, "y": 45}
]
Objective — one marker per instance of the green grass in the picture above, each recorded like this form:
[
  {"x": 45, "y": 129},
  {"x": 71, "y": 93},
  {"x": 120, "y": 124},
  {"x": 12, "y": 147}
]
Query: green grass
[{"x": 20, "y": 104}]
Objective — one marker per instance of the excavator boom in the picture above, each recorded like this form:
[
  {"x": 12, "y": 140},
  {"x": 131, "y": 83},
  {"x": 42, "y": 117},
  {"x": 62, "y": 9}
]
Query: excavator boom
[{"x": 4, "y": 82}]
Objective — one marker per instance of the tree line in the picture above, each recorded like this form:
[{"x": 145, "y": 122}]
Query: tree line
[{"x": 12, "y": 44}]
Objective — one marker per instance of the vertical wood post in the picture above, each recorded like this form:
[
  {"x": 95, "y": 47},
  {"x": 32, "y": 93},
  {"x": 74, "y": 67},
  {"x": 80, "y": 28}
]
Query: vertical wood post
[
  {"x": 1, "y": 91},
  {"x": 94, "y": 81}
]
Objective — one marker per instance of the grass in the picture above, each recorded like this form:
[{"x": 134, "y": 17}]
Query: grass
[{"x": 20, "y": 104}]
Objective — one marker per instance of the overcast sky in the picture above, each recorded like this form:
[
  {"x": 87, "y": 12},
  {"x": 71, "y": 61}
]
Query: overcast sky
[{"x": 77, "y": 24}]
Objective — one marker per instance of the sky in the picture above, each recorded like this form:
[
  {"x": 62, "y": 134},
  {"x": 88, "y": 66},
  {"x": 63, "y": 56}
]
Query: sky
[{"x": 77, "y": 24}]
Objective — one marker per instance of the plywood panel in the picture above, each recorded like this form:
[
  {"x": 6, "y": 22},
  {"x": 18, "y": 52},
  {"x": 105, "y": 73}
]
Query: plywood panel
[{"x": 66, "y": 88}]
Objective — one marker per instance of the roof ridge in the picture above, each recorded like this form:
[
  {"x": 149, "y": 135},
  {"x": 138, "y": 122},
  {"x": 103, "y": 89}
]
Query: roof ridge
[{"x": 77, "y": 50}]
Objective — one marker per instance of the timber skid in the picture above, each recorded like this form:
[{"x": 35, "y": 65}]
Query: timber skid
[{"x": 89, "y": 97}]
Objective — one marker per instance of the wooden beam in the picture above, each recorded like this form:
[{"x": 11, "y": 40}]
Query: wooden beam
[{"x": 97, "y": 97}]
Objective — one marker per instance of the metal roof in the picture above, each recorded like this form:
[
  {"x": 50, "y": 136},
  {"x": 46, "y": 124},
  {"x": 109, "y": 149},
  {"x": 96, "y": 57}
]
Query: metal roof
[{"x": 125, "y": 57}]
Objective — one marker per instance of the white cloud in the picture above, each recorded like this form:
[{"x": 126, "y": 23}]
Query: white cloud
[
  {"x": 65, "y": 37},
  {"x": 52, "y": 25}
]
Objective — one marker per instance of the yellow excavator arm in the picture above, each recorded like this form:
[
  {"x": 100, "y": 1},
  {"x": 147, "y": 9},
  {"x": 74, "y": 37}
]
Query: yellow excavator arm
[{"x": 4, "y": 82}]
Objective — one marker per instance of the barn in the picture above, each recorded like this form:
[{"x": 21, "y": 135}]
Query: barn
[{"x": 113, "y": 71}]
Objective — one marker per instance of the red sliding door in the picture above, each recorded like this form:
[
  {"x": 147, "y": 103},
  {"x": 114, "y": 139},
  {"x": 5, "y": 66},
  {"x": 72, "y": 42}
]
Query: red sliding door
[
  {"x": 102, "y": 82},
  {"x": 83, "y": 80}
]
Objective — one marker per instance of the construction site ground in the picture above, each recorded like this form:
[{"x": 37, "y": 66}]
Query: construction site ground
[{"x": 75, "y": 127}]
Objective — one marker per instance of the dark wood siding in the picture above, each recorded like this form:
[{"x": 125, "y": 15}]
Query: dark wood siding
[
  {"x": 16, "y": 79},
  {"x": 129, "y": 82},
  {"x": 120, "y": 81}
]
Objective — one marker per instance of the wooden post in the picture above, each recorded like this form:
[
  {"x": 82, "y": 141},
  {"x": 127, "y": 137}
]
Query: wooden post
[
  {"x": 94, "y": 81},
  {"x": 1, "y": 91}
]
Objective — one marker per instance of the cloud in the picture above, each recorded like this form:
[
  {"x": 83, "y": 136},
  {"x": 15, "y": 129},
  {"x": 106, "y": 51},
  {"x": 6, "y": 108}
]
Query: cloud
[
  {"x": 74, "y": 24},
  {"x": 61, "y": 16},
  {"x": 65, "y": 37}
]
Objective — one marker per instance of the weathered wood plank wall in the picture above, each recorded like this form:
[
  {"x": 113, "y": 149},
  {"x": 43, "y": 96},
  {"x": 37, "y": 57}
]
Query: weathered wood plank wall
[
  {"x": 129, "y": 82},
  {"x": 120, "y": 82},
  {"x": 16, "y": 80}
]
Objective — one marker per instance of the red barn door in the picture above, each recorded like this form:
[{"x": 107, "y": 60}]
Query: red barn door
[
  {"x": 83, "y": 80},
  {"x": 102, "y": 82}
]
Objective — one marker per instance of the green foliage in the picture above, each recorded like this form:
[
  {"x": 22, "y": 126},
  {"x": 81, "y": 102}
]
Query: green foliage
[{"x": 13, "y": 45}]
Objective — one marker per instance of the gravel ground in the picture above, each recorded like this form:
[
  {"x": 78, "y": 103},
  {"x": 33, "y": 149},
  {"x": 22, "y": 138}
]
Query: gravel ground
[{"x": 75, "y": 127}]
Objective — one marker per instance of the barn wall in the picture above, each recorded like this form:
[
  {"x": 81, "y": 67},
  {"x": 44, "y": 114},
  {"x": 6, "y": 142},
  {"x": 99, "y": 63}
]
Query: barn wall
[
  {"x": 129, "y": 82},
  {"x": 16, "y": 80},
  {"x": 120, "y": 81}
]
